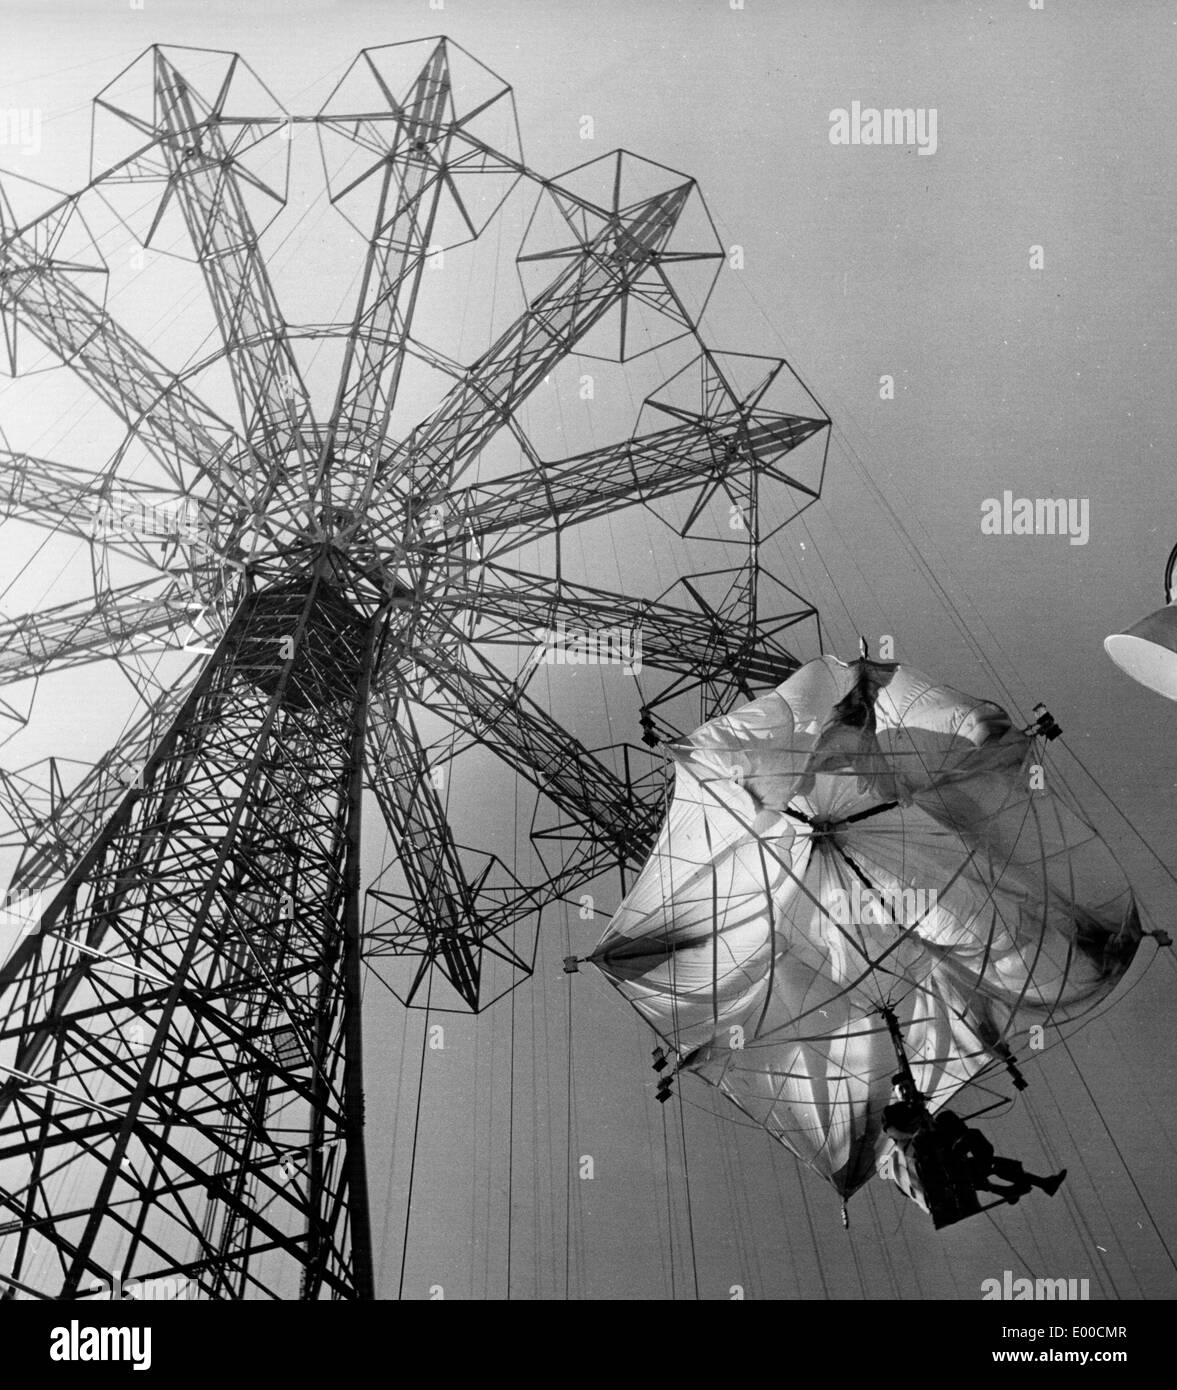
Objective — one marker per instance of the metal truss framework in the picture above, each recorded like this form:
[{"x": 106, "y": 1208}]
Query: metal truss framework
[{"x": 181, "y": 1085}]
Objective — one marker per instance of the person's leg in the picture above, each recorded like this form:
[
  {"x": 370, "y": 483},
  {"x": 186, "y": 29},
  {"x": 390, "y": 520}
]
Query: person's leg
[
  {"x": 1007, "y": 1194},
  {"x": 982, "y": 1175},
  {"x": 1008, "y": 1169},
  {"x": 1048, "y": 1185},
  {"x": 1011, "y": 1171}
]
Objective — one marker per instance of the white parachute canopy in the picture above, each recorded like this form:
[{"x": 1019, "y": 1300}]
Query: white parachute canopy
[{"x": 861, "y": 837}]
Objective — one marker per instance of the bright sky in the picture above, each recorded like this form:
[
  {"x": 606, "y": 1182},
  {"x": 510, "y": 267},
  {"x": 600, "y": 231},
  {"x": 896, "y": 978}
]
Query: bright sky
[{"x": 858, "y": 263}]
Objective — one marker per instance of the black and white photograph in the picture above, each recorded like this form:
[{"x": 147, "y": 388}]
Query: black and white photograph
[{"x": 588, "y": 660}]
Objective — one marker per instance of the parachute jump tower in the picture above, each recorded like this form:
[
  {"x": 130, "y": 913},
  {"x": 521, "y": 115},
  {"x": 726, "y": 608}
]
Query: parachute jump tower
[{"x": 181, "y": 1031}]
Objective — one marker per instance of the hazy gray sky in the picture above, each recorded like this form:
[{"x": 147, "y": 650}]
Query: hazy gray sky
[{"x": 1054, "y": 132}]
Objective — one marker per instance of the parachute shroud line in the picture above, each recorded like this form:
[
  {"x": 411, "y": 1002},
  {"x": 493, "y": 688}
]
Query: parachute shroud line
[{"x": 862, "y": 842}]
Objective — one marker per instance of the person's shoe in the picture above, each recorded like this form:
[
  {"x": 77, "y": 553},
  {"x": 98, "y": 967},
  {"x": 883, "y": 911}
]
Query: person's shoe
[{"x": 1052, "y": 1185}]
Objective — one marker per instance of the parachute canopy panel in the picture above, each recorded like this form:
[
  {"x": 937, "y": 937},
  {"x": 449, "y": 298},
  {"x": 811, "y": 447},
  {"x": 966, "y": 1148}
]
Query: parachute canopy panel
[{"x": 862, "y": 837}]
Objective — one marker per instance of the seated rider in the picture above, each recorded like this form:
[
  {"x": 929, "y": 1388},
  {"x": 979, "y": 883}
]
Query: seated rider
[
  {"x": 969, "y": 1148},
  {"x": 903, "y": 1120}
]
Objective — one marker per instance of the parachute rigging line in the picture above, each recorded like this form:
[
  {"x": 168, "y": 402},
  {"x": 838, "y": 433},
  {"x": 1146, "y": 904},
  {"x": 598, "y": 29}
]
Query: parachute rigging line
[
  {"x": 1029, "y": 815},
  {"x": 855, "y": 1256},
  {"x": 884, "y": 1245},
  {"x": 775, "y": 1161},
  {"x": 1031, "y": 809},
  {"x": 653, "y": 1171},
  {"x": 848, "y": 547},
  {"x": 737, "y": 1186},
  {"x": 686, "y": 1170},
  {"x": 821, "y": 1273},
  {"x": 838, "y": 432},
  {"x": 1157, "y": 1120},
  {"x": 952, "y": 608},
  {"x": 997, "y": 1104},
  {"x": 400, "y": 1289},
  {"x": 1072, "y": 1206},
  {"x": 568, "y": 1139},
  {"x": 962, "y": 627},
  {"x": 987, "y": 1213},
  {"x": 511, "y": 1094},
  {"x": 550, "y": 1091},
  {"x": 511, "y": 1119},
  {"x": 1115, "y": 807},
  {"x": 681, "y": 1118},
  {"x": 400, "y": 1085},
  {"x": 669, "y": 1203},
  {"x": 1120, "y": 1155}
]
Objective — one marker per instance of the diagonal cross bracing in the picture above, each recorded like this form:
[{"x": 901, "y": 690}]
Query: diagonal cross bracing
[{"x": 218, "y": 905}]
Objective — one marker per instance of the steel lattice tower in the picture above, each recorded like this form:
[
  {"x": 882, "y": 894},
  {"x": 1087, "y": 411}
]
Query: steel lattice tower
[{"x": 181, "y": 1079}]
